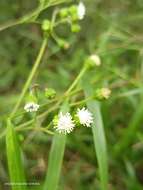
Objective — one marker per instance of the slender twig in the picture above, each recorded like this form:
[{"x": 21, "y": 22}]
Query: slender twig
[
  {"x": 30, "y": 17},
  {"x": 83, "y": 70}
]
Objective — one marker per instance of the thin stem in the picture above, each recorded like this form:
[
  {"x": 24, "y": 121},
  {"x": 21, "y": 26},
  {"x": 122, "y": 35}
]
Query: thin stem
[
  {"x": 31, "y": 75},
  {"x": 45, "y": 104},
  {"x": 35, "y": 129},
  {"x": 81, "y": 101},
  {"x": 66, "y": 95},
  {"x": 29, "y": 17},
  {"x": 46, "y": 131},
  {"x": 10, "y": 24},
  {"x": 76, "y": 80}
]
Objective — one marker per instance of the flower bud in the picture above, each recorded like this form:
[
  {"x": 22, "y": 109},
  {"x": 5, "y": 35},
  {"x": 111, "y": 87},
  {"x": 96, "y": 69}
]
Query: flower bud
[
  {"x": 73, "y": 9},
  {"x": 92, "y": 61},
  {"x": 103, "y": 93},
  {"x": 63, "y": 44},
  {"x": 96, "y": 59},
  {"x": 64, "y": 13},
  {"x": 75, "y": 28},
  {"x": 73, "y": 12},
  {"x": 55, "y": 120},
  {"x": 46, "y": 25},
  {"x": 50, "y": 93},
  {"x": 31, "y": 103}
]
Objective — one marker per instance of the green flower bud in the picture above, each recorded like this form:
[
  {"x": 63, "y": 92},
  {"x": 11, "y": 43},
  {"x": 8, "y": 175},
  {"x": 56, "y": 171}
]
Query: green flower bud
[
  {"x": 73, "y": 13},
  {"x": 55, "y": 120},
  {"x": 75, "y": 28},
  {"x": 64, "y": 13},
  {"x": 46, "y": 25},
  {"x": 73, "y": 9},
  {"x": 63, "y": 44},
  {"x": 50, "y": 93},
  {"x": 76, "y": 120}
]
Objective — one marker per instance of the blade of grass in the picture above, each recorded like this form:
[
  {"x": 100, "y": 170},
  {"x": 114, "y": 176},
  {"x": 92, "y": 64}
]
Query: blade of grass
[
  {"x": 130, "y": 131},
  {"x": 98, "y": 135},
  {"x": 56, "y": 157},
  {"x": 16, "y": 171}
]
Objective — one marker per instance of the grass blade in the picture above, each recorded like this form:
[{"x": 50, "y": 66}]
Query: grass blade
[
  {"x": 15, "y": 167},
  {"x": 55, "y": 158},
  {"x": 130, "y": 131},
  {"x": 98, "y": 136}
]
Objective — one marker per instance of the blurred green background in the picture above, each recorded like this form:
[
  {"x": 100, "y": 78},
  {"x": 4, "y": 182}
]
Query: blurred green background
[{"x": 113, "y": 29}]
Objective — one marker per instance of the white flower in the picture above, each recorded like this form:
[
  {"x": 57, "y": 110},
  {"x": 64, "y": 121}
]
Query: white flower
[
  {"x": 96, "y": 59},
  {"x": 85, "y": 117},
  {"x": 81, "y": 10},
  {"x": 31, "y": 107},
  {"x": 65, "y": 123}
]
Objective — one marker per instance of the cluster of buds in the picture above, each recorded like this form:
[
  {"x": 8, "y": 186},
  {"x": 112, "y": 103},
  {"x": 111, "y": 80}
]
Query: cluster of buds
[
  {"x": 70, "y": 15},
  {"x": 74, "y": 13}
]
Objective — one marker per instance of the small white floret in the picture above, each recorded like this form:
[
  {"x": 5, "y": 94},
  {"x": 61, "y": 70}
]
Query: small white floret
[
  {"x": 85, "y": 117},
  {"x": 31, "y": 107},
  {"x": 81, "y": 10},
  {"x": 65, "y": 123}
]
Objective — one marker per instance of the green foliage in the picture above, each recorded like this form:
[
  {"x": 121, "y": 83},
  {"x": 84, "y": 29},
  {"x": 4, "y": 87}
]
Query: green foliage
[
  {"x": 110, "y": 35},
  {"x": 98, "y": 135},
  {"x": 15, "y": 163},
  {"x": 56, "y": 157}
]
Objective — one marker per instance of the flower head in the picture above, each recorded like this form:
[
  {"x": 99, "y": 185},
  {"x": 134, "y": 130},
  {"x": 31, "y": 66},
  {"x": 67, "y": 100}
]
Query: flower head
[
  {"x": 31, "y": 107},
  {"x": 81, "y": 10},
  {"x": 65, "y": 123},
  {"x": 105, "y": 92},
  {"x": 96, "y": 59},
  {"x": 85, "y": 117}
]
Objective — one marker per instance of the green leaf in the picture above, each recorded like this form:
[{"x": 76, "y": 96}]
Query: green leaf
[
  {"x": 56, "y": 158},
  {"x": 15, "y": 166},
  {"x": 98, "y": 135},
  {"x": 130, "y": 131}
]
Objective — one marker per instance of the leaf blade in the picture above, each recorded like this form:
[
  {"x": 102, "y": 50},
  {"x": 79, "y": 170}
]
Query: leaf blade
[
  {"x": 98, "y": 135},
  {"x": 55, "y": 158},
  {"x": 16, "y": 170}
]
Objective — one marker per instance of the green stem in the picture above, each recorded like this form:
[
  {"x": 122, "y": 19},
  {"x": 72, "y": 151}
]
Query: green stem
[
  {"x": 82, "y": 101},
  {"x": 76, "y": 80},
  {"x": 31, "y": 75}
]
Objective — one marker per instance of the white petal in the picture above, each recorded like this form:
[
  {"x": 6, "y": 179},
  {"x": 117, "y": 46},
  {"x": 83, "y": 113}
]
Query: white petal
[{"x": 81, "y": 10}]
